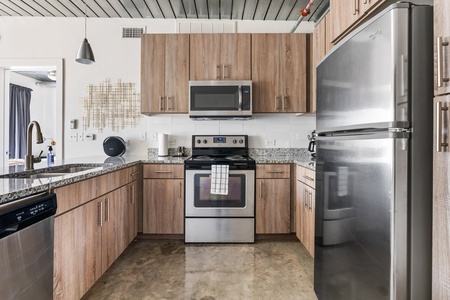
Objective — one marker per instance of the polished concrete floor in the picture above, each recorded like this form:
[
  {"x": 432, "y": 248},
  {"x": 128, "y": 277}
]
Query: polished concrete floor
[{"x": 155, "y": 269}]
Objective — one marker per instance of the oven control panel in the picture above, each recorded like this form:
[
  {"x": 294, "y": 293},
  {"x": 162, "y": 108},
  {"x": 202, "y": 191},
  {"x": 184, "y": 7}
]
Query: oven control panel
[{"x": 219, "y": 141}]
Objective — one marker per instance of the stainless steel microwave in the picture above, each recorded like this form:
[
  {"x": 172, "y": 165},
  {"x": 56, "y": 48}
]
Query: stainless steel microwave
[{"x": 220, "y": 99}]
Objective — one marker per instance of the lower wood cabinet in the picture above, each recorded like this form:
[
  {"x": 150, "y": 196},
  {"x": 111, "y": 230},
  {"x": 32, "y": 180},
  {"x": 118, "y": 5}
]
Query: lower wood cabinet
[
  {"x": 78, "y": 251},
  {"x": 163, "y": 200},
  {"x": 305, "y": 207},
  {"x": 90, "y": 237},
  {"x": 273, "y": 198}
]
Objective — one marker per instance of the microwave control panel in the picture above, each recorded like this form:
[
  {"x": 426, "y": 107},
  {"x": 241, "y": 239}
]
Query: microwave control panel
[{"x": 246, "y": 103}]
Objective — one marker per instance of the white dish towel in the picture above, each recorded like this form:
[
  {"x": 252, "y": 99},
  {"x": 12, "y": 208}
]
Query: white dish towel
[{"x": 219, "y": 179}]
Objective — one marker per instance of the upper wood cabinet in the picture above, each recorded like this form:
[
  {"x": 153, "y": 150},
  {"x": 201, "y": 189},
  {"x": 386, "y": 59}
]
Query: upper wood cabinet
[
  {"x": 318, "y": 49},
  {"x": 347, "y": 14},
  {"x": 220, "y": 56},
  {"x": 442, "y": 46},
  {"x": 279, "y": 72},
  {"x": 344, "y": 13},
  {"x": 164, "y": 73}
]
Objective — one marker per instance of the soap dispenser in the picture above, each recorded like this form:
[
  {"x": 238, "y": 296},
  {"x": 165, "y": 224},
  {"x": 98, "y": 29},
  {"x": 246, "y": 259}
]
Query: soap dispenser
[{"x": 50, "y": 156}]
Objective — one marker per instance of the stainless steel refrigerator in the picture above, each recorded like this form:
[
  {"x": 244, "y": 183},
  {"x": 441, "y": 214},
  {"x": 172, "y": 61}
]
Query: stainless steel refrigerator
[{"x": 374, "y": 160}]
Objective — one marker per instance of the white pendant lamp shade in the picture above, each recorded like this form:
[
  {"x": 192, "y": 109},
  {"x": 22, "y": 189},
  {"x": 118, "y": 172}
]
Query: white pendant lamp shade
[{"x": 85, "y": 54}]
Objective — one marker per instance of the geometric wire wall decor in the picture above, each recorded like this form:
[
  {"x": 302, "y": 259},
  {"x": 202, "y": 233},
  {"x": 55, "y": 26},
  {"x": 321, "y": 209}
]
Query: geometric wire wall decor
[{"x": 114, "y": 106}]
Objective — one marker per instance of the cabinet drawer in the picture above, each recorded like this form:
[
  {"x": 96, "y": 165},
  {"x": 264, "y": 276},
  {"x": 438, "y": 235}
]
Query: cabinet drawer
[
  {"x": 134, "y": 173},
  {"x": 163, "y": 171},
  {"x": 273, "y": 171},
  {"x": 307, "y": 176}
]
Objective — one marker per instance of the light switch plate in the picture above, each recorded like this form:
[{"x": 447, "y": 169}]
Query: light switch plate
[
  {"x": 142, "y": 136},
  {"x": 80, "y": 136},
  {"x": 74, "y": 137}
]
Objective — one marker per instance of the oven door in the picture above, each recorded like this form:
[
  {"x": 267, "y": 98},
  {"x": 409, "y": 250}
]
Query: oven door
[{"x": 240, "y": 201}]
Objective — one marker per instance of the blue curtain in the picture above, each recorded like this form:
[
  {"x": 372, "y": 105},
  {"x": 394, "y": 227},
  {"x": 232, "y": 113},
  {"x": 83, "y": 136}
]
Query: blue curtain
[{"x": 19, "y": 118}]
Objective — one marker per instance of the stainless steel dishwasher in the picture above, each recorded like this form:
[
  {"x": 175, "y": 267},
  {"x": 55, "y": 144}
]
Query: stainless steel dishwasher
[{"x": 26, "y": 247}]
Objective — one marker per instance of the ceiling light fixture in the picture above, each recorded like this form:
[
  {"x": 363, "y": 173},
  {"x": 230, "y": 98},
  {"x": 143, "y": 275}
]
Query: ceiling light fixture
[{"x": 85, "y": 54}]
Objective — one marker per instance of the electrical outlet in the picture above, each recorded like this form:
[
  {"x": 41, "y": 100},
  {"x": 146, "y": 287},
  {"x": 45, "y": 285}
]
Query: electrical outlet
[
  {"x": 172, "y": 142},
  {"x": 88, "y": 136},
  {"x": 80, "y": 136},
  {"x": 153, "y": 137},
  {"x": 74, "y": 137},
  {"x": 270, "y": 142}
]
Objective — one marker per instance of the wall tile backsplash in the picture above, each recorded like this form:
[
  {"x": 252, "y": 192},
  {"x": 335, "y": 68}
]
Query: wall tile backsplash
[{"x": 264, "y": 130}]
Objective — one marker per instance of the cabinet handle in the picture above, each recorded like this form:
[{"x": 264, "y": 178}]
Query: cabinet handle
[
  {"x": 161, "y": 103},
  {"x": 277, "y": 102},
  {"x": 169, "y": 103},
  {"x": 218, "y": 71},
  {"x": 365, "y": 1},
  {"x": 440, "y": 60},
  {"x": 107, "y": 210},
  {"x": 439, "y": 111},
  {"x": 99, "y": 214},
  {"x": 285, "y": 102},
  {"x": 164, "y": 171},
  {"x": 308, "y": 178},
  {"x": 310, "y": 201},
  {"x": 134, "y": 174},
  {"x": 260, "y": 189},
  {"x": 133, "y": 194},
  {"x": 226, "y": 71},
  {"x": 355, "y": 7},
  {"x": 181, "y": 196},
  {"x": 275, "y": 171},
  {"x": 305, "y": 197}
]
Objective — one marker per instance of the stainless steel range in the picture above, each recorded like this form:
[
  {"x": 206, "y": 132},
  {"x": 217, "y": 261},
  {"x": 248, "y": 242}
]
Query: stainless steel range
[{"x": 220, "y": 190}]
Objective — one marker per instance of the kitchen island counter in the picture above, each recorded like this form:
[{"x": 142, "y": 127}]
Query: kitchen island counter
[{"x": 12, "y": 188}]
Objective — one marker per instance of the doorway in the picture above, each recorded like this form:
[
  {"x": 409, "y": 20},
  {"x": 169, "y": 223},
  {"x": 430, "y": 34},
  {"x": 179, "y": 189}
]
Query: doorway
[{"x": 54, "y": 124}]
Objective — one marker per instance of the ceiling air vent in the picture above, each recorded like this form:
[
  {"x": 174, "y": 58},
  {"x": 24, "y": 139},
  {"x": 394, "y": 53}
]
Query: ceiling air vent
[{"x": 132, "y": 32}]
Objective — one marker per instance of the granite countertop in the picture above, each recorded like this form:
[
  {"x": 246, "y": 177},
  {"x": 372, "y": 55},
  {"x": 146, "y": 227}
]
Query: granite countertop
[{"x": 13, "y": 188}]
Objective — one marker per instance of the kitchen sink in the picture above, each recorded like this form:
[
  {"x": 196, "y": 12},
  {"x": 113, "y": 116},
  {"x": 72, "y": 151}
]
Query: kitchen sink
[
  {"x": 54, "y": 171},
  {"x": 71, "y": 169}
]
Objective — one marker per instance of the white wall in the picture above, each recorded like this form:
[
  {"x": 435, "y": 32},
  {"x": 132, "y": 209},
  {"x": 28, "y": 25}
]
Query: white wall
[{"x": 117, "y": 58}]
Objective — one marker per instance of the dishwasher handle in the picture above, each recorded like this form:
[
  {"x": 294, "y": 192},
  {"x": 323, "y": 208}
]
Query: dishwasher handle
[{"x": 24, "y": 212}]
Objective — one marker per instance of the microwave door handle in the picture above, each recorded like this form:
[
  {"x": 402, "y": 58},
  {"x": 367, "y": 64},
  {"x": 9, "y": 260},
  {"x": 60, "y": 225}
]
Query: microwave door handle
[{"x": 240, "y": 97}]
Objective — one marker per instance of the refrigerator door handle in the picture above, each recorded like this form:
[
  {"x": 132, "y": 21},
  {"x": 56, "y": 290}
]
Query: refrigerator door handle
[
  {"x": 403, "y": 76},
  {"x": 439, "y": 111}
]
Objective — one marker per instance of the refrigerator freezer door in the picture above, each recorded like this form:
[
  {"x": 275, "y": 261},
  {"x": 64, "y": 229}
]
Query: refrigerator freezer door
[
  {"x": 361, "y": 216},
  {"x": 365, "y": 79}
]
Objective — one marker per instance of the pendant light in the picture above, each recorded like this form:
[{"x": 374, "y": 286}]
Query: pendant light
[{"x": 85, "y": 54}]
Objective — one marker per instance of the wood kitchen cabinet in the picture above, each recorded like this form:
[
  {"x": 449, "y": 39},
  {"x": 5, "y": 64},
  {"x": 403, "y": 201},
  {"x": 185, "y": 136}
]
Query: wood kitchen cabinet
[
  {"x": 220, "y": 56},
  {"x": 164, "y": 73},
  {"x": 163, "y": 200},
  {"x": 78, "y": 252},
  {"x": 442, "y": 46},
  {"x": 318, "y": 49},
  {"x": 305, "y": 207},
  {"x": 91, "y": 229},
  {"x": 441, "y": 157},
  {"x": 273, "y": 198},
  {"x": 345, "y": 15},
  {"x": 279, "y": 72}
]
